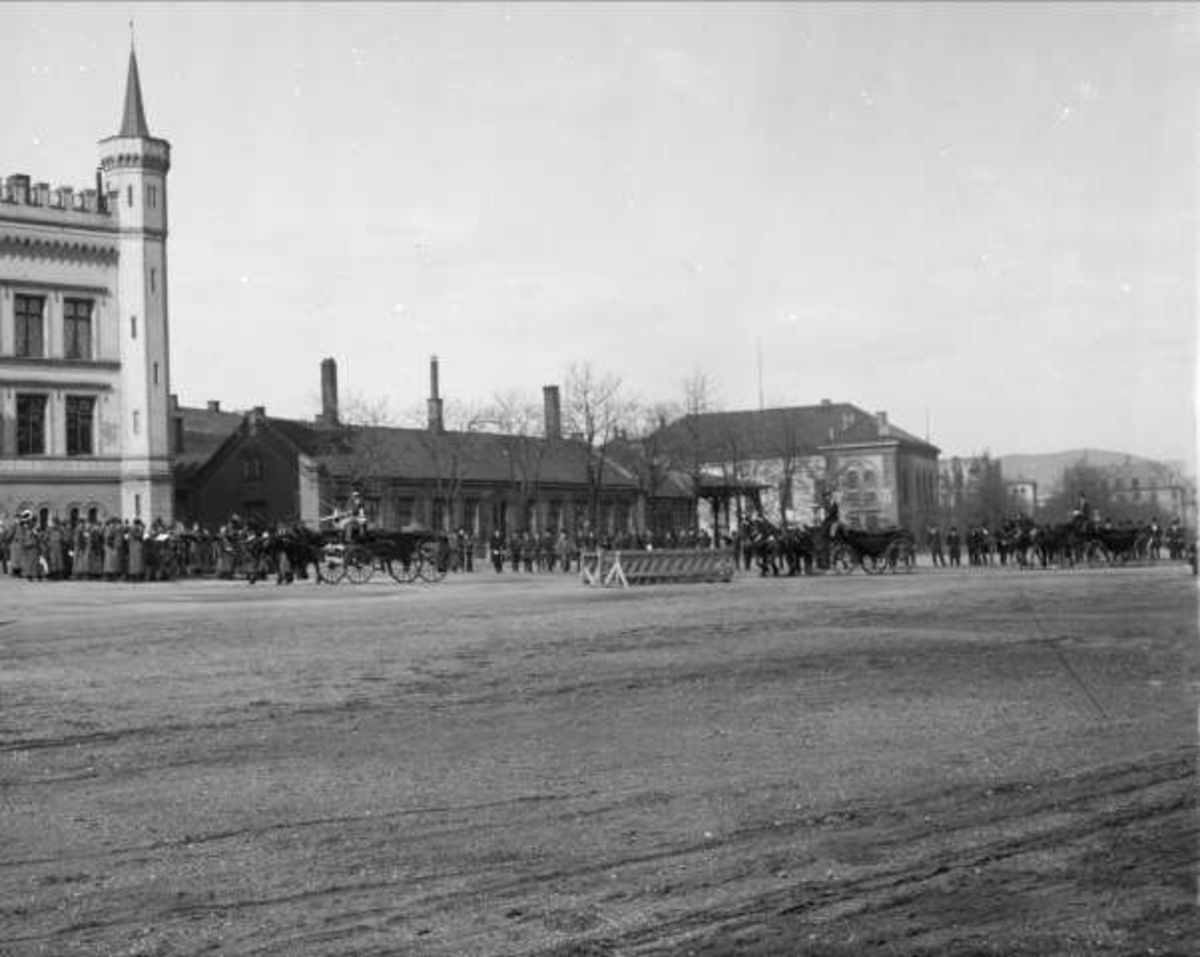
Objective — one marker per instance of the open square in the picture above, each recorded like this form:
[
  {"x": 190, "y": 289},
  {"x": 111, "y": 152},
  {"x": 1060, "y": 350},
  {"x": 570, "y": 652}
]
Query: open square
[{"x": 939, "y": 762}]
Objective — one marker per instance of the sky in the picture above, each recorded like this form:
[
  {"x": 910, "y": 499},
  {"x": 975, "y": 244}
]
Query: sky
[{"x": 979, "y": 218}]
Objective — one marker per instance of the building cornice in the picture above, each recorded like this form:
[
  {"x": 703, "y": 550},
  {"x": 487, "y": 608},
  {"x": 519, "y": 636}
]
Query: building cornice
[
  {"x": 52, "y": 248},
  {"x": 67, "y": 287}
]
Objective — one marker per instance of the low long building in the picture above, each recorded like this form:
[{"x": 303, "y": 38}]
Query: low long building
[{"x": 273, "y": 470}]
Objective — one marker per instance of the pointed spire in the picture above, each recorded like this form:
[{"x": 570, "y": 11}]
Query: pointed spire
[{"x": 133, "y": 123}]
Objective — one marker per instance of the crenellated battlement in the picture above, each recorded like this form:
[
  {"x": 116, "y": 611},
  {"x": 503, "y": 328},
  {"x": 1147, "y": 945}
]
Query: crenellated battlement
[{"x": 17, "y": 190}]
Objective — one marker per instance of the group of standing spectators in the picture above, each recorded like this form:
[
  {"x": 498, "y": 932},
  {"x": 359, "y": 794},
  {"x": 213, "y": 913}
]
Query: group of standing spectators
[{"x": 112, "y": 550}]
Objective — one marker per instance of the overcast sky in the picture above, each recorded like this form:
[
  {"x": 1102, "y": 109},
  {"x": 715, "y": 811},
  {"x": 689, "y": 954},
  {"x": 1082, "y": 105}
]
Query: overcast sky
[{"x": 980, "y": 217}]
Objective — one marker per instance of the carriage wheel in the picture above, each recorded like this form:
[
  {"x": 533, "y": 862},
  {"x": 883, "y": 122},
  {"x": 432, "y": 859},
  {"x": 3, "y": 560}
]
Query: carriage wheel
[
  {"x": 907, "y": 559},
  {"x": 843, "y": 560},
  {"x": 359, "y": 565},
  {"x": 403, "y": 571},
  {"x": 428, "y": 568},
  {"x": 331, "y": 569}
]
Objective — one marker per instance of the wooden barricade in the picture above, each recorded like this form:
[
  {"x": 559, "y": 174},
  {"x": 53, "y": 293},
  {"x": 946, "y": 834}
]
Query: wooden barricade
[{"x": 625, "y": 567}]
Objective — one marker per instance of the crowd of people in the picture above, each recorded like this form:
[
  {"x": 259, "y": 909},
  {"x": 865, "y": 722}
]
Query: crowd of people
[
  {"x": 117, "y": 549},
  {"x": 1010, "y": 541}
]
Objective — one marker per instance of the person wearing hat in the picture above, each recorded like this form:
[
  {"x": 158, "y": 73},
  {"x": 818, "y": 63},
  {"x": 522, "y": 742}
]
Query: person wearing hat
[{"x": 353, "y": 521}]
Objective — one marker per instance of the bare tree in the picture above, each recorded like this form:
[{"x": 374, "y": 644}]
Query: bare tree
[
  {"x": 648, "y": 456},
  {"x": 691, "y": 457},
  {"x": 595, "y": 410},
  {"x": 359, "y": 442},
  {"x": 447, "y": 448},
  {"x": 521, "y": 426}
]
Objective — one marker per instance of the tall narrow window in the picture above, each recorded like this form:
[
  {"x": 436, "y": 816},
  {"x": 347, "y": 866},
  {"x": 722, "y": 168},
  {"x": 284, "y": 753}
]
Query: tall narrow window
[
  {"x": 129, "y": 195},
  {"x": 137, "y": 422},
  {"x": 133, "y": 327},
  {"x": 153, "y": 279},
  {"x": 156, "y": 373},
  {"x": 29, "y": 339},
  {"x": 31, "y": 424},
  {"x": 77, "y": 328},
  {"x": 81, "y": 417},
  {"x": 151, "y": 196}
]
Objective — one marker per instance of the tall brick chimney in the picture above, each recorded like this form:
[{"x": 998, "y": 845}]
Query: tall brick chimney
[
  {"x": 329, "y": 393},
  {"x": 552, "y": 411},
  {"x": 435, "y": 402}
]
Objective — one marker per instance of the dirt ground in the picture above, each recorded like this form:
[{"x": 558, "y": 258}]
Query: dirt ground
[{"x": 939, "y": 763}]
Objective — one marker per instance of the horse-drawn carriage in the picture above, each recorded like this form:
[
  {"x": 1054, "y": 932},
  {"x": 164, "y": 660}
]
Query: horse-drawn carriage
[
  {"x": 874, "y": 550},
  {"x": 406, "y": 556}
]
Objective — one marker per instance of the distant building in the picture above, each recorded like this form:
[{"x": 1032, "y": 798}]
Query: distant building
[
  {"x": 1129, "y": 482},
  {"x": 780, "y": 462},
  {"x": 84, "y": 373},
  {"x": 1137, "y": 481}
]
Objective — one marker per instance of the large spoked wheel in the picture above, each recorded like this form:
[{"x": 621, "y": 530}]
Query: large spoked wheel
[
  {"x": 843, "y": 560},
  {"x": 331, "y": 569},
  {"x": 428, "y": 567},
  {"x": 403, "y": 570},
  {"x": 360, "y": 566}
]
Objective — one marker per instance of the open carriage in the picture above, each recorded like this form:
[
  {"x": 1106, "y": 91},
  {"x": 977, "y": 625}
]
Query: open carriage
[
  {"x": 405, "y": 555},
  {"x": 875, "y": 550}
]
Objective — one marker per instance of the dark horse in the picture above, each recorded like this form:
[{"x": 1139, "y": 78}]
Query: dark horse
[{"x": 774, "y": 549}]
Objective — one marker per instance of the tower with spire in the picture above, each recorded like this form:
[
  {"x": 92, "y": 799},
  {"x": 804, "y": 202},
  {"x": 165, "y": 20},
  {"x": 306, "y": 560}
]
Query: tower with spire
[{"x": 133, "y": 175}]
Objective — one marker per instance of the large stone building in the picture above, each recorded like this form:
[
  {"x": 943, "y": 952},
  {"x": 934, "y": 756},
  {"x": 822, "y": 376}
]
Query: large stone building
[
  {"x": 782, "y": 462},
  {"x": 84, "y": 371}
]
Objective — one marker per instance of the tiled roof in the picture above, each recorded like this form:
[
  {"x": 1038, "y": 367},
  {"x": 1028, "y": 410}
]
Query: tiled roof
[
  {"x": 410, "y": 453},
  {"x": 204, "y": 431},
  {"x": 770, "y": 433},
  {"x": 420, "y": 454}
]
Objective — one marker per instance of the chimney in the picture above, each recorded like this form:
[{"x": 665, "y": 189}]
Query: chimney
[
  {"x": 213, "y": 405},
  {"x": 329, "y": 393},
  {"x": 41, "y": 192},
  {"x": 552, "y": 412},
  {"x": 18, "y": 188},
  {"x": 435, "y": 403},
  {"x": 881, "y": 421}
]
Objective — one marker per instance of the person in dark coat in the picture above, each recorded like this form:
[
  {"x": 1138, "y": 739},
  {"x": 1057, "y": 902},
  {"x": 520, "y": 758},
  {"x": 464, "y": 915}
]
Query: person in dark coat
[
  {"x": 135, "y": 563},
  {"x": 496, "y": 546},
  {"x": 954, "y": 545},
  {"x": 56, "y": 550}
]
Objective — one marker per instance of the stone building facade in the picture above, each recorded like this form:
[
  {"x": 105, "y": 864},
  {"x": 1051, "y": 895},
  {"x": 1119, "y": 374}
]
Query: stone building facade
[
  {"x": 84, "y": 357},
  {"x": 780, "y": 463}
]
